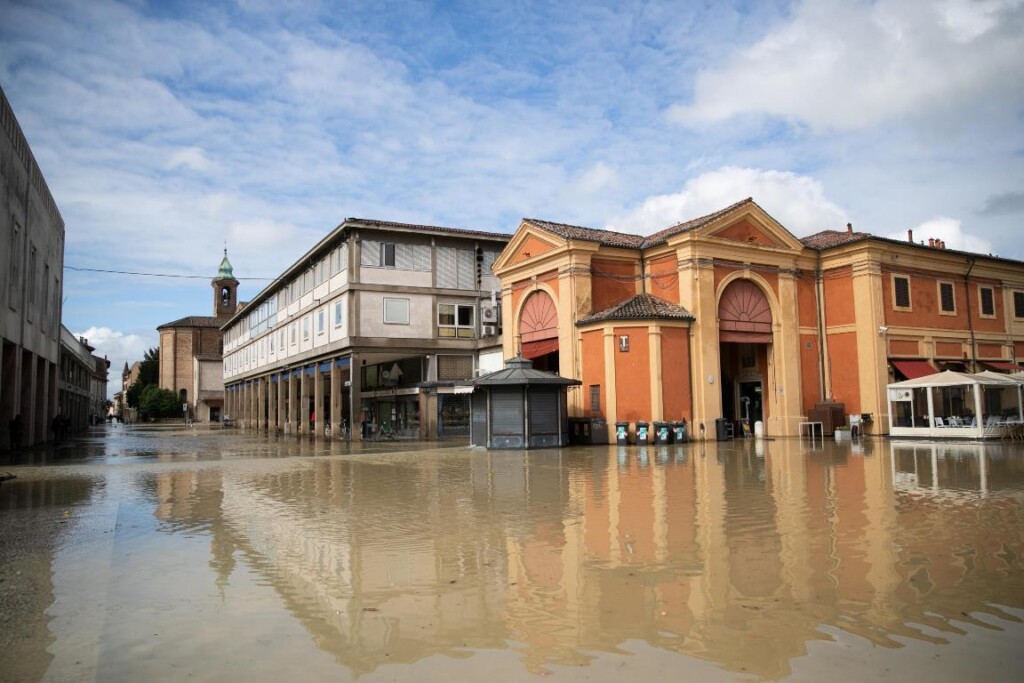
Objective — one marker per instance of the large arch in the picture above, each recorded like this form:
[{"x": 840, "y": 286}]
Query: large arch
[
  {"x": 746, "y": 321},
  {"x": 538, "y": 330}
]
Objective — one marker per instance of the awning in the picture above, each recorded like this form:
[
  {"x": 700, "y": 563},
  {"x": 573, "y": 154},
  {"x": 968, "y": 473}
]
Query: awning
[
  {"x": 912, "y": 369},
  {"x": 536, "y": 349},
  {"x": 1003, "y": 365}
]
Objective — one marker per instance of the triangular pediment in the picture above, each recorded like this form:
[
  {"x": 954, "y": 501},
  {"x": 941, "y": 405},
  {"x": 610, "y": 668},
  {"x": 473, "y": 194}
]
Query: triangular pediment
[
  {"x": 527, "y": 242},
  {"x": 749, "y": 224}
]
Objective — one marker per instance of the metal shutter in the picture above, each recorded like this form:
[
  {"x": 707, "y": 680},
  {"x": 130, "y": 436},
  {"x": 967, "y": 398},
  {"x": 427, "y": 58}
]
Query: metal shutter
[
  {"x": 447, "y": 273},
  {"x": 543, "y": 412},
  {"x": 507, "y": 411},
  {"x": 369, "y": 254},
  {"x": 467, "y": 269}
]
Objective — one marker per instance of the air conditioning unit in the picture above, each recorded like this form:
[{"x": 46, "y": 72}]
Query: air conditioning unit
[
  {"x": 490, "y": 330},
  {"x": 489, "y": 313}
]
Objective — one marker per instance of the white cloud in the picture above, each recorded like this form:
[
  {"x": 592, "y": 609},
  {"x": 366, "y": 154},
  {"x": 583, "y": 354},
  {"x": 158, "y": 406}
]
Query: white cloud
[
  {"x": 798, "y": 202},
  {"x": 852, "y": 65},
  {"x": 119, "y": 348},
  {"x": 190, "y": 157},
  {"x": 950, "y": 231}
]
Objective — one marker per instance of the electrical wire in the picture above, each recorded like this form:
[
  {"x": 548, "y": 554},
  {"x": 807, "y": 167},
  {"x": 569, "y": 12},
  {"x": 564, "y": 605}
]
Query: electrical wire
[{"x": 170, "y": 275}]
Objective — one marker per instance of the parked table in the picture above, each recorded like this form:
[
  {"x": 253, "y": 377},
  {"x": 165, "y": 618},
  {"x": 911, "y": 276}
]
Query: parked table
[{"x": 810, "y": 426}]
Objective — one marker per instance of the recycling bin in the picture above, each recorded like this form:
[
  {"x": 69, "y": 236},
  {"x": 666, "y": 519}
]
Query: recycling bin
[
  {"x": 643, "y": 433},
  {"x": 622, "y": 433},
  {"x": 679, "y": 434},
  {"x": 662, "y": 433}
]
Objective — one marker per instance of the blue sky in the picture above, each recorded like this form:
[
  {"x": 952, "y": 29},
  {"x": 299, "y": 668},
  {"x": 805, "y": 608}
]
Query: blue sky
[{"x": 166, "y": 129}]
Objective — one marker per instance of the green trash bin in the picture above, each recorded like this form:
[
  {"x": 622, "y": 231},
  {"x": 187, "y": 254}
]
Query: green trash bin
[
  {"x": 662, "y": 433},
  {"x": 622, "y": 433},
  {"x": 679, "y": 432},
  {"x": 643, "y": 433}
]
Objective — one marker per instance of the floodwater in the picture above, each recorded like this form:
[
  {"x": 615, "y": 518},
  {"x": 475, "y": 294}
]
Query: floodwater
[{"x": 162, "y": 554}]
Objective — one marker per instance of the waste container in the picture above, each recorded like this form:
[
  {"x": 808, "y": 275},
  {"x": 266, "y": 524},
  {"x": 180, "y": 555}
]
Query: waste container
[
  {"x": 662, "y": 433},
  {"x": 643, "y": 435},
  {"x": 723, "y": 430},
  {"x": 679, "y": 434},
  {"x": 622, "y": 433}
]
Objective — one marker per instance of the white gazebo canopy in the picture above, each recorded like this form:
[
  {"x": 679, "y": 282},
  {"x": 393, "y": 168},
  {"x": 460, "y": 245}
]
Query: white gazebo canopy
[{"x": 955, "y": 405}]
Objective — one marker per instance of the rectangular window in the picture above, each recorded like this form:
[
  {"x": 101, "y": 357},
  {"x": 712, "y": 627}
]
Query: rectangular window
[
  {"x": 271, "y": 344},
  {"x": 293, "y": 334},
  {"x": 595, "y": 399},
  {"x": 338, "y": 314},
  {"x": 901, "y": 291},
  {"x": 396, "y": 311},
  {"x": 305, "y": 328},
  {"x": 947, "y": 302},
  {"x": 456, "y": 320},
  {"x": 47, "y": 315},
  {"x": 320, "y": 315},
  {"x": 1018, "y": 304},
  {"x": 280, "y": 341},
  {"x": 387, "y": 254},
  {"x": 31, "y": 284},
  {"x": 987, "y": 302}
]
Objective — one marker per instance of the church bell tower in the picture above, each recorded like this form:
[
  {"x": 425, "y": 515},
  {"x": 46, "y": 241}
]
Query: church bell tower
[{"x": 225, "y": 289}]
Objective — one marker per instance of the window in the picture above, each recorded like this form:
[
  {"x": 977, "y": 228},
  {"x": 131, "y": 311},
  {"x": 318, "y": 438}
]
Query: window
[
  {"x": 988, "y": 302},
  {"x": 1018, "y": 304},
  {"x": 387, "y": 254},
  {"x": 456, "y": 268},
  {"x": 338, "y": 314},
  {"x": 47, "y": 315},
  {"x": 32, "y": 275},
  {"x": 305, "y": 328},
  {"x": 947, "y": 302},
  {"x": 901, "y": 291},
  {"x": 396, "y": 311},
  {"x": 293, "y": 334},
  {"x": 595, "y": 399},
  {"x": 280, "y": 341},
  {"x": 320, "y": 315},
  {"x": 456, "y": 320},
  {"x": 271, "y": 344}
]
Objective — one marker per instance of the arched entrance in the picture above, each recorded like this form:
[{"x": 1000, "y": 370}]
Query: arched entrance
[
  {"x": 538, "y": 331},
  {"x": 744, "y": 335}
]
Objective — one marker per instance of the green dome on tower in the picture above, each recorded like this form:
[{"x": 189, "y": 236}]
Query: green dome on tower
[{"x": 225, "y": 272}]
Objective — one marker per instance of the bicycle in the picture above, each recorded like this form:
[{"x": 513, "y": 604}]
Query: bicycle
[{"x": 385, "y": 433}]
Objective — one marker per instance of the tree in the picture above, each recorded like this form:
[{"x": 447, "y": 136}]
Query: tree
[{"x": 149, "y": 368}]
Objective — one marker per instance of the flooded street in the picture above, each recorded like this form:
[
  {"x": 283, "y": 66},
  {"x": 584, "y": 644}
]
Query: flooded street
[{"x": 166, "y": 554}]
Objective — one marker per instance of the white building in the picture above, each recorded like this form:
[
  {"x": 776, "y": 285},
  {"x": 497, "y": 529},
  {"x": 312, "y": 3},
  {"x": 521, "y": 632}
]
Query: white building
[
  {"x": 374, "y": 324},
  {"x": 31, "y": 265}
]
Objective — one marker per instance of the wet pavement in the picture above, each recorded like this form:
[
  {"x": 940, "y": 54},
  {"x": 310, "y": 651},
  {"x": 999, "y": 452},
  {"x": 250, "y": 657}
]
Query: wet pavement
[{"x": 165, "y": 554}]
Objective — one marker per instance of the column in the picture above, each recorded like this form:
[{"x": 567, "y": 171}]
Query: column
[
  {"x": 335, "y": 398},
  {"x": 261, "y": 392},
  {"x": 293, "y": 405},
  {"x": 318, "y": 400},
  {"x": 303, "y": 405}
]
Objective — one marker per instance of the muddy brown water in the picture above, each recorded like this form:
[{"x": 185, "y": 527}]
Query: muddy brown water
[{"x": 162, "y": 554}]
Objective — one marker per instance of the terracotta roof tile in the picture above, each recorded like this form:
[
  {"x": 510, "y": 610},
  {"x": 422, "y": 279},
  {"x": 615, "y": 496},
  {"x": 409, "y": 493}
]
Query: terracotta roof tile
[
  {"x": 196, "y": 321},
  {"x": 461, "y": 232},
  {"x": 826, "y": 239},
  {"x": 640, "y": 307},
  {"x": 607, "y": 238}
]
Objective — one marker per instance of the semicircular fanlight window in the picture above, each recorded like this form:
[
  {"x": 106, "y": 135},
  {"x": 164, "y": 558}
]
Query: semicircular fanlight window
[
  {"x": 744, "y": 314},
  {"x": 539, "y": 319}
]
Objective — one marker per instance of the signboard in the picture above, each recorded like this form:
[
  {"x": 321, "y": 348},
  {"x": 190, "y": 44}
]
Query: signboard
[{"x": 901, "y": 394}]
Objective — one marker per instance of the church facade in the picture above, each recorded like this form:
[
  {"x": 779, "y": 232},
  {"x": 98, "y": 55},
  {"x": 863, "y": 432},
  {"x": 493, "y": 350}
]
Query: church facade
[
  {"x": 732, "y": 316},
  {"x": 192, "y": 352}
]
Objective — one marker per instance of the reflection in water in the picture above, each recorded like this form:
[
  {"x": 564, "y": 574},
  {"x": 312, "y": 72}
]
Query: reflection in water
[{"x": 740, "y": 555}]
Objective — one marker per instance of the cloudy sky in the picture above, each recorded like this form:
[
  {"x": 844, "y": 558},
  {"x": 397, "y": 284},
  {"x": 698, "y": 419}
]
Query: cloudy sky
[{"x": 166, "y": 129}]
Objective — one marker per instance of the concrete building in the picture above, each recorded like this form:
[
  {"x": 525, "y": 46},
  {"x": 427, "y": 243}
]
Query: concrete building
[
  {"x": 375, "y": 323},
  {"x": 82, "y": 383},
  {"x": 731, "y": 316},
  {"x": 31, "y": 267},
  {"x": 191, "y": 351}
]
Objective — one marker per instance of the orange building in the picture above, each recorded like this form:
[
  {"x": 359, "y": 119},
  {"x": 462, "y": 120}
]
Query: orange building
[{"x": 730, "y": 315}]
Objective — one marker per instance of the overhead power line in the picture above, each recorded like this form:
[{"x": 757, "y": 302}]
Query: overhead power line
[{"x": 171, "y": 275}]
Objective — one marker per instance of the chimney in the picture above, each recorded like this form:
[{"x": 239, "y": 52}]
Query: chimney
[
  {"x": 931, "y": 241},
  {"x": 943, "y": 244},
  {"x": 910, "y": 235},
  {"x": 849, "y": 228}
]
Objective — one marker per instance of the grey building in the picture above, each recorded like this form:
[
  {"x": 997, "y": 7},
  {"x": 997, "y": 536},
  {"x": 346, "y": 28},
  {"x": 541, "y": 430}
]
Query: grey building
[
  {"x": 374, "y": 324},
  {"x": 31, "y": 266}
]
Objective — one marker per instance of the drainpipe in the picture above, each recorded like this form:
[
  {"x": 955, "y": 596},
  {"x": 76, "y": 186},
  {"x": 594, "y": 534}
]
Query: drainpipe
[
  {"x": 970, "y": 323},
  {"x": 820, "y": 286}
]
